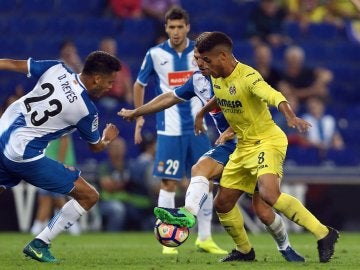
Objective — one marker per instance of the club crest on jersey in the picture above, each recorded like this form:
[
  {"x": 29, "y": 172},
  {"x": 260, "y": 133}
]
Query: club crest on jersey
[
  {"x": 95, "y": 124},
  {"x": 232, "y": 90},
  {"x": 160, "y": 167}
]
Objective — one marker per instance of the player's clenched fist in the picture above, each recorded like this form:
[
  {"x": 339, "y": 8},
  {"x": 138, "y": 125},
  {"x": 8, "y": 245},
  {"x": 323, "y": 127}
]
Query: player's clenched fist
[
  {"x": 110, "y": 132},
  {"x": 128, "y": 115}
]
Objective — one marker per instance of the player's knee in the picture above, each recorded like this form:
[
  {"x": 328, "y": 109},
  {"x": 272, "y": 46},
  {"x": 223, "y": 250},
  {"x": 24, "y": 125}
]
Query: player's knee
[
  {"x": 270, "y": 198},
  {"x": 265, "y": 214},
  {"x": 195, "y": 169},
  {"x": 222, "y": 205}
]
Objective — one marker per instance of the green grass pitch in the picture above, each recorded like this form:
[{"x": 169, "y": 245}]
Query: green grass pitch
[{"x": 134, "y": 250}]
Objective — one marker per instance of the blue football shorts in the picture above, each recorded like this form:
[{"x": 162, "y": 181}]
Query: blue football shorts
[
  {"x": 44, "y": 173},
  {"x": 51, "y": 194},
  {"x": 175, "y": 155},
  {"x": 220, "y": 153}
]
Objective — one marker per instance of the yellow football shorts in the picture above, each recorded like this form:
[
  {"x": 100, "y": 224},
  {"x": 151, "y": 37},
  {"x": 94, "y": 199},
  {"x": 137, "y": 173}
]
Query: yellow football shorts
[{"x": 248, "y": 162}]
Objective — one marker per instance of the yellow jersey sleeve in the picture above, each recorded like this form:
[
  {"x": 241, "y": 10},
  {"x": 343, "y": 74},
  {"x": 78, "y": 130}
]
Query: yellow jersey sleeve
[{"x": 263, "y": 90}]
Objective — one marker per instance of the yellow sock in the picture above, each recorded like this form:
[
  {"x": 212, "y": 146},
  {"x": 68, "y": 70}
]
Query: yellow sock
[
  {"x": 294, "y": 210},
  {"x": 233, "y": 222}
]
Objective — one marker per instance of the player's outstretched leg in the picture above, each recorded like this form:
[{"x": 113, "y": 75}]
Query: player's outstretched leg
[
  {"x": 291, "y": 255},
  {"x": 236, "y": 255},
  {"x": 39, "y": 250},
  {"x": 326, "y": 246},
  {"x": 175, "y": 216}
]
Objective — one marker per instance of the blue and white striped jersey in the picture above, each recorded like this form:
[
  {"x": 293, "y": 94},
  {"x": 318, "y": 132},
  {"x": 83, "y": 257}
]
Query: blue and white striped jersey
[
  {"x": 200, "y": 86},
  {"x": 57, "y": 105},
  {"x": 171, "y": 69}
]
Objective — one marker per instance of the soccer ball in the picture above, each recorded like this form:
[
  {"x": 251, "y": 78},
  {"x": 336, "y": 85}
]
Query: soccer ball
[{"x": 170, "y": 235}]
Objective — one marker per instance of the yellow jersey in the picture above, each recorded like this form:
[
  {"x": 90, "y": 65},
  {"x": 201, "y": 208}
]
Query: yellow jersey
[{"x": 244, "y": 97}]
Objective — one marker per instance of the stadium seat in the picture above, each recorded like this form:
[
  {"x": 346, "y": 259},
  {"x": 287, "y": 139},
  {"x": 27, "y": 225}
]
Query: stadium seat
[
  {"x": 346, "y": 157},
  {"x": 315, "y": 51},
  {"x": 292, "y": 29},
  {"x": 70, "y": 7},
  {"x": 344, "y": 52},
  {"x": 7, "y": 7},
  {"x": 27, "y": 25},
  {"x": 37, "y": 6},
  {"x": 101, "y": 27},
  {"x": 321, "y": 31},
  {"x": 302, "y": 156},
  {"x": 45, "y": 47},
  {"x": 243, "y": 51},
  {"x": 64, "y": 26}
]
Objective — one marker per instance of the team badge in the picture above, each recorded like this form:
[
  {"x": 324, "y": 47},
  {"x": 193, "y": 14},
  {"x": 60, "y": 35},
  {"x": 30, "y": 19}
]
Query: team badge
[
  {"x": 232, "y": 90},
  {"x": 95, "y": 124},
  {"x": 160, "y": 167}
]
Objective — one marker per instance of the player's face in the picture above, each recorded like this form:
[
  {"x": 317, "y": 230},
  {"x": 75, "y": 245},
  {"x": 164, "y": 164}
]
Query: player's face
[
  {"x": 102, "y": 83},
  {"x": 200, "y": 63},
  {"x": 177, "y": 31},
  {"x": 213, "y": 61}
]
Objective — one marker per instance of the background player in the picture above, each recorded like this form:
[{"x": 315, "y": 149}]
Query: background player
[
  {"x": 58, "y": 104},
  {"x": 243, "y": 97},
  {"x": 171, "y": 62},
  {"x": 211, "y": 164}
]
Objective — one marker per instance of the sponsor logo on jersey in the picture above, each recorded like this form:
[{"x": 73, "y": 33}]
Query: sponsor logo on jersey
[
  {"x": 232, "y": 90},
  {"x": 229, "y": 103},
  {"x": 178, "y": 78},
  {"x": 95, "y": 124}
]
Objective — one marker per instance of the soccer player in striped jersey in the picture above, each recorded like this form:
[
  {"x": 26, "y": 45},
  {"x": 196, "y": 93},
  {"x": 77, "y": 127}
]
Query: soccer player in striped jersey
[
  {"x": 210, "y": 166},
  {"x": 244, "y": 96},
  {"x": 171, "y": 64},
  {"x": 58, "y": 104}
]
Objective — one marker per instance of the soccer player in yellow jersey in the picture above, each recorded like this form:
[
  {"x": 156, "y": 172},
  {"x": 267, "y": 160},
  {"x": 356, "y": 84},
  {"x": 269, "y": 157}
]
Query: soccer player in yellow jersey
[{"x": 243, "y": 97}]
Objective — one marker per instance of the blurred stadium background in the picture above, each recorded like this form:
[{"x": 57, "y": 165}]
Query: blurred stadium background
[{"x": 36, "y": 28}]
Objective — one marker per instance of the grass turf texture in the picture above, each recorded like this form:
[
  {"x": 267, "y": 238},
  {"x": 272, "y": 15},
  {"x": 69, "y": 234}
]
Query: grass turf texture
[{"x": 133, "y": 250}]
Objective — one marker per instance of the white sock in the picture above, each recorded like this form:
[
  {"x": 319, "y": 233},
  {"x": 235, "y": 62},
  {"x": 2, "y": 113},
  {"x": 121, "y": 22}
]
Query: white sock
[
  {"x": 196, "y": 194},
  {"x": 166, "y": 199},
  {"x": 65, "y": 218},
  {"x": 278, "y": 231},
  {"x": 204, "y": 218}
]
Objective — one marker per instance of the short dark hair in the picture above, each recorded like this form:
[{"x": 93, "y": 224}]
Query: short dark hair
[
  {"x": 177, "y": 13},
  {"x": 207, "y": 41},
  {"x": 101, "y": 62}
]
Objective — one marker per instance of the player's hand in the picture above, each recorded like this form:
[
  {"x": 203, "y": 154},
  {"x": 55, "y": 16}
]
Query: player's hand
[
  {"x": 300, "y": 124},
  {"x": 228, "y": 134},
  {"x": 199, "y": 124},
  {"x": 110, "y": 132},
  {"x": 139, "y": 124},
  {"x": 128, "y": 115}
]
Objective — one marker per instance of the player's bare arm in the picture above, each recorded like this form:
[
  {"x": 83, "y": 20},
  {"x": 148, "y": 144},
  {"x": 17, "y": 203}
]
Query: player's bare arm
[
  {"x": 157, "y": 104},
  {"x": 138, "y": 101},
  {"x": 228, "y": 134},
  {"x": 356, "y": 3},
  {"x": 292, "y": 120},
  {"x": 199, "y": 119},
  {"x": 109, "y": 134},
  {"x": 14, "y": 65}
]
